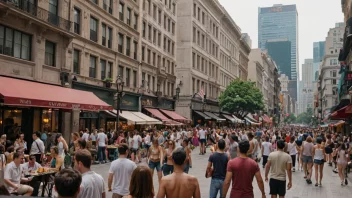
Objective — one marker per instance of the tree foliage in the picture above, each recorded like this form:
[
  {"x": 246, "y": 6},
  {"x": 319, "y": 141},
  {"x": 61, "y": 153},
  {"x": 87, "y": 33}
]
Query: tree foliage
[
  {"x": 291, "y": 118},
  {"x": 241, "y": 97},
  {"x": 305, "y": 117}
]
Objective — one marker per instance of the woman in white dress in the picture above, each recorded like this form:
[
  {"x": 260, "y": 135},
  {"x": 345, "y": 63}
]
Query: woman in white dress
[{"x": 62, "y": 147}]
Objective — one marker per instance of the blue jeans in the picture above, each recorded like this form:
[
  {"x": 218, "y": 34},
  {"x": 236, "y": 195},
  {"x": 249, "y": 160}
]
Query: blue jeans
[
  {"x": 215, "y": 187},
  {"x": 168, "y": 169},
  {"x": 101, "y": 153}
]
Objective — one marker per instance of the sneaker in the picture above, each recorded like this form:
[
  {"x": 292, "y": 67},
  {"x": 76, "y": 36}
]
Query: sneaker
[
  {"x": 346, "y": 182},
  {"x": 342, "y": 183},
  {"x": 320, "y": 185},
  {"x": 293, "y": 170}
]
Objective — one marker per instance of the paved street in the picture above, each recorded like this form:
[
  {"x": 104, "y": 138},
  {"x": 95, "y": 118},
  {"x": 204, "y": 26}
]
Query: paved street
[{"x": 331, "y": 183}]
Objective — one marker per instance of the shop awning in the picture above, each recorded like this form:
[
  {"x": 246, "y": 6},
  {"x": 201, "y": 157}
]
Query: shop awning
[
  {"x": 213, "y": 116},
  {"x": 15, "y": 92},
  {"x": 203, "y": 115},
  {"x": 339, "y": 115},
  {"x": 175, "y": 116},
  {"x": 230, "y": 118},
  {"x": 339, "y": 123},
  {"x": 237, "y": 119},
  {"x": 251, "y": 122},
  {"x": 110, "y": 113},
  {"x": 131, "y": 117},
  {"x": 158, "y": 114},
  {"x": 266, "y": 118},
  {"x": 149, "y": 120}
]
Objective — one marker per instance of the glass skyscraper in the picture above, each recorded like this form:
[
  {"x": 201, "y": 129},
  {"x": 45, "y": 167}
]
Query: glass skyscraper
[
  {"x": 318, "y": 54},
  {"x": 280, "y": 22}
]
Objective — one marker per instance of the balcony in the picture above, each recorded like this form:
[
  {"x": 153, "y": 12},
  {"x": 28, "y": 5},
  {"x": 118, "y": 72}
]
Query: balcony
[{"x": 26, "y": 8}]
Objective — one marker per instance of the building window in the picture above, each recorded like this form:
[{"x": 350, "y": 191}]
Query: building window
[
  {"x": 134, "y": 79},
  {"x": 143, "y": 29},
  {"x": 53, "y": 9},
  {"x": 128, "y": 72},
  {"x": 159, "y": 16},
  {"x": 150, "y": 32},
  {"x": 120, "y": 72},
  {"x": 148, "y": 56},
  {"x": 174, "y": 8},
  {"x": 143, "y": 55},
  {"x": 128, "y": 46},
  {"x": 120, "y": 46},
  {"x": 154, "y": 36},
  {"x": 103, "y": 40},
  {"x": 121, "y": 11},
  {"x": 135, "y": 46},
  {"x": 107, "y": 5},
  {"x": 334, "y": 81},
  {"x": 76, "y": 61},
  {"x": 77, "y": 20},
  {"x": 135, "y": 26},
  {"x": 109, "y": 37},
  {"x": 193, "y": 60},
  {"x": 103, "y": 69},
  {"x": 92, "y": 67},
  {"x": 159, "y": 39},
  {"x": 173, "y": 28},
  {"x": 15, "y": 43},
  {"x": 128, "y": 21},
  {"x": 109, "y": 70},
  {"x": 153, "y": 84},
  {"x": 94, "y": 1},
  {"x": 154, "y": 12},
  {"x": 93, "y": 29},
  {"x": 194, "y": 10},
  {"x": 49, "y": 53},
  {"x": 165, "y": 21}
]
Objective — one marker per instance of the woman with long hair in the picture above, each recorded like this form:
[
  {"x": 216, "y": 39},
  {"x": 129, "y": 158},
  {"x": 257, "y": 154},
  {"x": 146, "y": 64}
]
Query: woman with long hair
[
  {"x": 307, "y": 152},
  {"x": 168, "y": 167},
  {"x": 155, "y": 158},
  {"x": 319, "y": 160},
  {"x": 141, "y": 185},
  {"x": 342, "y": 163}
]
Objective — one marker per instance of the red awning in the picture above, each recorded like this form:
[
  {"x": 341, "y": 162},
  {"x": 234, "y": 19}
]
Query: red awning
[
  {"x": 266, "y": 118},
  {"x": 339, "y": 114},
  {"x": 158, "y": 114},
  {"x": 173, "y": 115},
  {"x": 17, "y": 92}
]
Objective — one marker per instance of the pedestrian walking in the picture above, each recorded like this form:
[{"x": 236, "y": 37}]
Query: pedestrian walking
[
  {"x": 241, "y": 171},
  {"x": 319, "y": 157},
  {"x": 292, "y": 150},
  {"x": 279, "y": 163},
  {"x": 102, "y": 140},
  {"x": 202, "y": 134},
  {"x": 217, "y": 164},
  {"x": 93, "y": 185},
  {"x": 307, "y": 152},
  {"x": 120, "y": 173},
  {"x": 342, "y": 163},
  {"x": 155, "y": 158},
  {"x": 168, "y": 167},
  {"x": 141, "y": 184},
  {"x": 188, "y": 161},
  {"x": 266, "y": 150},
  {"x": 233, "y": 147},
  {"x": 179, "y": 184},
  {"x": 67, "y": 183}
]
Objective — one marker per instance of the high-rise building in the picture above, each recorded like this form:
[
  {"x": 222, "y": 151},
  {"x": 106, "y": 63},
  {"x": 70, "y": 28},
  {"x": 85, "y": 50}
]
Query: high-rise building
[
  {"x": 281, "y": 22},
  {"x": 305, "y": 88},
  {"x": 280, "y": 52},
  {"x": 318, "y": 54}
]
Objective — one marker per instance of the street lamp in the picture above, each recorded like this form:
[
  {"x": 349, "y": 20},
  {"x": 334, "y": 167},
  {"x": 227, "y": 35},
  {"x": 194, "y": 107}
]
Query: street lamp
[
  {"x": 118, "y": 96},
  {"x": 178, "y": 93}
]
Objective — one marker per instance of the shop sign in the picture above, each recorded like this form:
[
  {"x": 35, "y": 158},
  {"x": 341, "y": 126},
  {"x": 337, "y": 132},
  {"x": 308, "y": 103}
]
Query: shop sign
[
  {"x": 166, "y": 104},
  {"x": 129, "y": 102},
  {"x": 147, "y": 101}
]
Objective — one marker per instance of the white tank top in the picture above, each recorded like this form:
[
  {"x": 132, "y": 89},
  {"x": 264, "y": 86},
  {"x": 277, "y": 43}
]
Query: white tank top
[{"x": 318, "y": 154}]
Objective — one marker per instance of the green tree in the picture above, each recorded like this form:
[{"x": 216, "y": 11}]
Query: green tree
[
  {"x": 305, "y": 117},
  {"x": 291, "y": 118},
  {"x": 241, "y": 97}
]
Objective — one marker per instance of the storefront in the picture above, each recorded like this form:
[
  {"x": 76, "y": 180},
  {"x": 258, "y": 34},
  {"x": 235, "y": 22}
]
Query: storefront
[
  {"x": 27, "y": 106},
  {"x": 203, "y": 112}
]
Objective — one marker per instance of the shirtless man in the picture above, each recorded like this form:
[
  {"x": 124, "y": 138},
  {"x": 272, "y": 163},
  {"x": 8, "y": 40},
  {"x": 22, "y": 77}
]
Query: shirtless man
[{"x": 179, "y": 184}]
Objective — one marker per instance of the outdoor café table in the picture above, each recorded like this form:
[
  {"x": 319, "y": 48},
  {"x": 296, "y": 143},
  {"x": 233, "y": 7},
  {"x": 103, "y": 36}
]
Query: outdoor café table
[
  {"x": 45, "y": 178},
  {"x": 112, "y": 152}
]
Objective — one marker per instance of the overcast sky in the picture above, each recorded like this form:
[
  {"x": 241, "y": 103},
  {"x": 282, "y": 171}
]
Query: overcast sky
[{"x": 315, "y": 17}]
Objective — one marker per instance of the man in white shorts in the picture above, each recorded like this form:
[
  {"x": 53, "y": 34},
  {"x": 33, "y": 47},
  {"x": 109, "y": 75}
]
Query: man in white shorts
[{"x": 13, "y": 177}]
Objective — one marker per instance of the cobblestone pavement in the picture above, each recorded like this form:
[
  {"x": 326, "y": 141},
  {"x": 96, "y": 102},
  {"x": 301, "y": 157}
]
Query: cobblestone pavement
[{"x": 331, "y": 183}]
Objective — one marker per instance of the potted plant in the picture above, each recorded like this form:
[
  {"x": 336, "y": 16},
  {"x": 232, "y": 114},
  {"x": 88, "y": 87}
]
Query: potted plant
[{"x": 107, "y": 82}]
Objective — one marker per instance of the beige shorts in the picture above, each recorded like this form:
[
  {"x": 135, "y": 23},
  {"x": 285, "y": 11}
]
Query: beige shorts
[{"x": 23, "y": 189}]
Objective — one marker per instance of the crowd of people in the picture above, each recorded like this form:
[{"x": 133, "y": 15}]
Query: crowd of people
[{"x": 236, "y": 155}]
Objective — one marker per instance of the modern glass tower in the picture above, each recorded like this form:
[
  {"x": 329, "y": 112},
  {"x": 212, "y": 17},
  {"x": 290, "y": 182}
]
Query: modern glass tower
[
  {"x": 318, "y": 54},
  {"x": 280, "y": 22}
]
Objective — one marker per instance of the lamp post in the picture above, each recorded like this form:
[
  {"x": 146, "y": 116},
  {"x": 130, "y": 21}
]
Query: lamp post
[
  {"x": 178, "y": 90},
  {"x": 118, "y": 96}
]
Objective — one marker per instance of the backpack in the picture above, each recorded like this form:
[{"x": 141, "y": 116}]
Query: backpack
[{"x": 300, "y": 138}]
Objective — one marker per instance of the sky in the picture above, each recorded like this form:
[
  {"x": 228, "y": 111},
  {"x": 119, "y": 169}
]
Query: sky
[{"x": 315, "y": 17}]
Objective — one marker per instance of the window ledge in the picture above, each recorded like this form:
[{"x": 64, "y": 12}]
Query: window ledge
[
  {"x": 51, "y": 68},
  {"x": 10, "y": 58}
]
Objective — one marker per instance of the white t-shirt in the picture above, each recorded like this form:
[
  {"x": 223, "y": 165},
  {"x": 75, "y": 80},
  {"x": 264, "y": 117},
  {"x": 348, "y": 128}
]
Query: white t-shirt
[
  {"x": 101, "y": 138},
  {"x": 202, "y": 134},
  {"x": 266, "y": 148},
  {"x": 122, "y": 169},
  {"x": 13, "y": 173},
  {"x": 37, "y": 147},
  {"x": 291, "y": 148},
  {"x": 136, "y": 140},
  {"x": 92, "y": 186},
  {"x": 85, "y": 136}
]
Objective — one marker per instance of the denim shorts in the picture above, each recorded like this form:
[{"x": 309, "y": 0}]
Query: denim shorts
[
  {"x": 307, "y": 159},
  {"x": 319, "y": 162},
  {"x": 154, "y": 165}
]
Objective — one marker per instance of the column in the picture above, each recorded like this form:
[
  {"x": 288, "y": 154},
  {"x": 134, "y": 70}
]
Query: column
[
  {"x": 66, "y": 125},
  {"x": 98, "y": 69}
]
